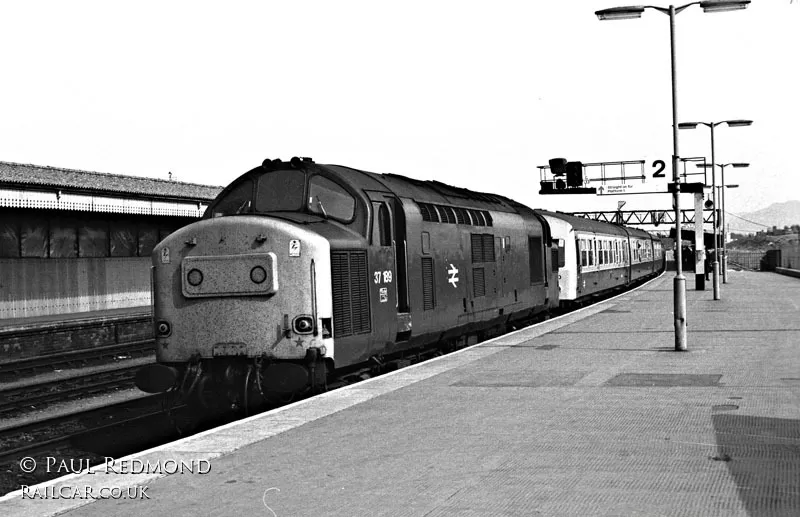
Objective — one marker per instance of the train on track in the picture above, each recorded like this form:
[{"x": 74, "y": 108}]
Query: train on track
[{"x": 298, "y": 270}]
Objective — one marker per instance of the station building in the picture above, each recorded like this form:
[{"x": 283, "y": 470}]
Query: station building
[{"x": 73, "y": 241}]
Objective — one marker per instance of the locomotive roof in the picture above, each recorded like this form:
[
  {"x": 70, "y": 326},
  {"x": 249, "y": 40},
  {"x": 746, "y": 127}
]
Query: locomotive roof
[{"x": 426, "y": 191}]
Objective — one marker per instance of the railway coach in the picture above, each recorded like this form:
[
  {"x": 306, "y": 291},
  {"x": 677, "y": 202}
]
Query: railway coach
[
  {"x": 299, "y": 269},
  {"x": 600, "y": 257}
]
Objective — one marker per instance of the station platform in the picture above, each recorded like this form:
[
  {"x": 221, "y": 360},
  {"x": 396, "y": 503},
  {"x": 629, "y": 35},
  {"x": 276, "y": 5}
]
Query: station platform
[
  {"x": 42, "y": 336},
  {"x": 36, "y": 322},
  {"x": 591, "y": 413}
]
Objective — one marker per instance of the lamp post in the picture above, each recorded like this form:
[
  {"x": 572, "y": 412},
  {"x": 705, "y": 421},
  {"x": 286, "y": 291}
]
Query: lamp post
[
  {"x": 712, "y": 125},
  {"x": 735, "y": 165},
  {"x": 628, "y": 12},
  {"x": 720, "y": 192}
]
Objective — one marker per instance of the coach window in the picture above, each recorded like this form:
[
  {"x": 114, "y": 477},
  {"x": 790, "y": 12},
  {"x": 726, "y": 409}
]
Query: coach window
[
  {"x": 584, "y": 253},
  {"x": 330, "y": 199},
  {"x": 381, "y": 225}
]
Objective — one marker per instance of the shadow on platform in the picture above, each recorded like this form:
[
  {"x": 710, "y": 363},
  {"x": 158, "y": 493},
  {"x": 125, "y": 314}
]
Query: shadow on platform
[{"x": 763, "y": 458}]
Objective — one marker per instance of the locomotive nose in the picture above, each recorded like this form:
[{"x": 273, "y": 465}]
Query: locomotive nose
[{"x": 156, "y": 378}]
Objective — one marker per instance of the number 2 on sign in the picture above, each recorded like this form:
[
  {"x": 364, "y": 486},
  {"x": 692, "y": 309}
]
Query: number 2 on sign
[{"x": 660, "y": 172}]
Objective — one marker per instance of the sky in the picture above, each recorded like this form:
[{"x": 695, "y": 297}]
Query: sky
[{"x": 474, "y": 94}]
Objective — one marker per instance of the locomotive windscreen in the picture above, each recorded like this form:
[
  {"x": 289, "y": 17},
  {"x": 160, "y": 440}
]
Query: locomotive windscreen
[
  {"x": 273, "y": 191},
  {"x": 286, "y": 191}
]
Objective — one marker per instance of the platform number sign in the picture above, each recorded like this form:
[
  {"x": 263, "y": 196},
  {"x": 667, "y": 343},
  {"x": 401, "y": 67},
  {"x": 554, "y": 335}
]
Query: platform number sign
[
  {"x": 294, "y": 248},
  {"x": 660, "y": 165}
]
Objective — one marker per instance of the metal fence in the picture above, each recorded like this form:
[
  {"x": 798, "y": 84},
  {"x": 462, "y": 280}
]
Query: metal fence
[
  {"x": 745, "y": 259},
  {"x": 790, "y": 257}
]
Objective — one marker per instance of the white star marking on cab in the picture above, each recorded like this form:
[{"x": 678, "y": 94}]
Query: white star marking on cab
[{"x": 453, "y": 272}]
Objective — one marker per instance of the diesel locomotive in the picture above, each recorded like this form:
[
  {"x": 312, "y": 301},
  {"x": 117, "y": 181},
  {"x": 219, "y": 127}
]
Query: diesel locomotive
[{"x": 299, "y": 269}]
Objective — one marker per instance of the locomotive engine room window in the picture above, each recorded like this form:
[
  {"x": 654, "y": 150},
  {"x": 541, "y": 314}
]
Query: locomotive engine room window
[
  {"x": 426, "y": 243},
  {"x": 280, "y": 190},
  {"x": 237, "y": 200},
  {"x": 330, "y": 199},
  {"x": 381, "y": 225},
  {"x": 536, "y": 260}
]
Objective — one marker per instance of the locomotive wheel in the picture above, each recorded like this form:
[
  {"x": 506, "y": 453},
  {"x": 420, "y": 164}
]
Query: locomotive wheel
[{"x": 205, "y": 399}]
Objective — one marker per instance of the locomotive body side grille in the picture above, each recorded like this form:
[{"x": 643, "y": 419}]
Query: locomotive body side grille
[
  {"x": 479, "y": 281},
  {"x": 476, "y": 245},
  {"x": 350, "y": 293},
  {"x": 488, "y": 247},
  {"x": 428, "y": 301}
]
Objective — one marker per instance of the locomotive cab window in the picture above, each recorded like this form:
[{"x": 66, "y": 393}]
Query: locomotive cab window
[
  {"x": 328, "y": 198},
  {"x": 235, "y": 201}
]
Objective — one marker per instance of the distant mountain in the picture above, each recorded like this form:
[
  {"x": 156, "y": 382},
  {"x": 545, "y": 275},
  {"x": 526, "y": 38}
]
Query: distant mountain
[{"x": 776, "y": 214}]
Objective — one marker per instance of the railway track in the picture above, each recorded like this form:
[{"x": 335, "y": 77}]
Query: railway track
[
  {"x": 45, "y": 393},
  {"x": 49, "y": 434},
  {"x": 13, "y": 370}
]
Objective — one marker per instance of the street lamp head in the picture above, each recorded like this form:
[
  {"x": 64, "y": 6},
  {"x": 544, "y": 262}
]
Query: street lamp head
[
  {"x": 718, "y": 6},
  {"x": 740, "y": 165},
  {"x": 621, "y": 13},
  {"x": 731, "y": 186},
  {"x": 738, "y": 123},
  {"x": 688, "y": 125}
]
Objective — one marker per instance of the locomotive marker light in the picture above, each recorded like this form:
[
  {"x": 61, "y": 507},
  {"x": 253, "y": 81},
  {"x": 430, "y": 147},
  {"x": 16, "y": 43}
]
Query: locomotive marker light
[
  {"x": 627, "y": 12},
  {"x": 258, "y": 274},
  {"x": 712, "y": 125},
  {"x": 736, "y": 165},
  {"x": 195, "y": 277}
]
